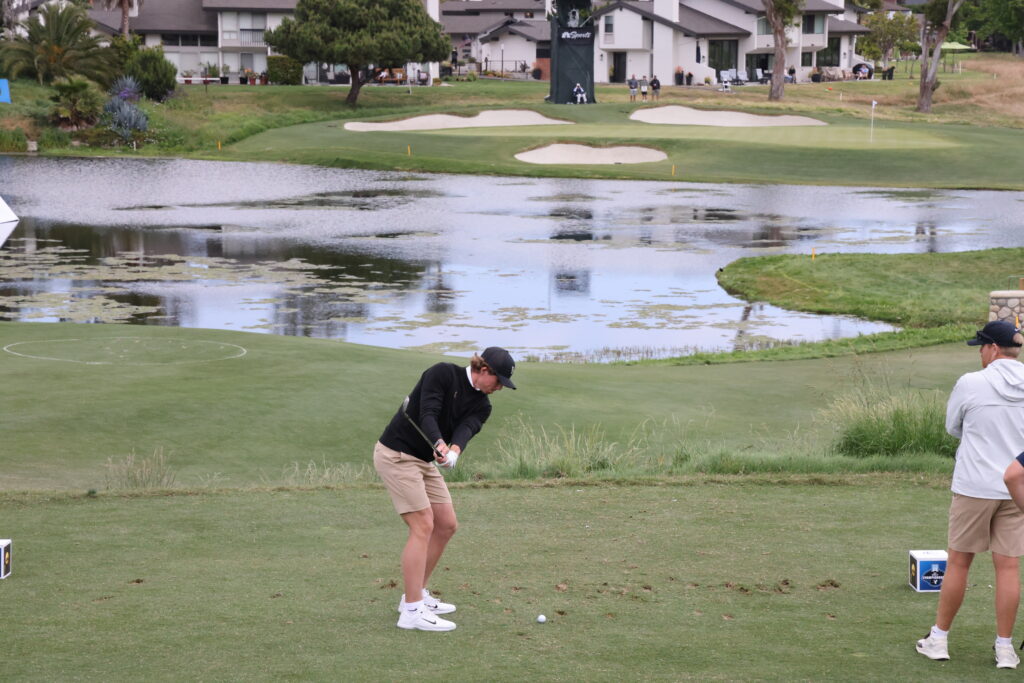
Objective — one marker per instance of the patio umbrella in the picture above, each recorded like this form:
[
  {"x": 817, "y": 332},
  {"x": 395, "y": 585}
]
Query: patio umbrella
[{"x": 955, "y": 47}]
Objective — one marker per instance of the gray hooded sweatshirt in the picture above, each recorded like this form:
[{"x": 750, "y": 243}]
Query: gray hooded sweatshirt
[{"x": 986, "y": 412}]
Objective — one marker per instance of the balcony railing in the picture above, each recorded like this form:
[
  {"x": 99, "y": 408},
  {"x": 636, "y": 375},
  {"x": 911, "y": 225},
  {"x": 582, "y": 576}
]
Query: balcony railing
[{"x": 252, "y": 37}]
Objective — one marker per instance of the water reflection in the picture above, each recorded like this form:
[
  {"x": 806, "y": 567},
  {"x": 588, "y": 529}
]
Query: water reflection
[{"x": 450, "y": 263}]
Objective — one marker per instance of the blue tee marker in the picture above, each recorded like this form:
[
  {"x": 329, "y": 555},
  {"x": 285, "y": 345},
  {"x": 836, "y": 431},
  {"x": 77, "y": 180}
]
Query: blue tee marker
[{"x": 5, "y": 91}]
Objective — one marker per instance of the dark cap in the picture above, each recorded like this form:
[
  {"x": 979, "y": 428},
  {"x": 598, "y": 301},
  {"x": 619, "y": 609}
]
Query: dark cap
[
  {"x": 501, "y": 364},
  {"x": 998, "y": 332}
]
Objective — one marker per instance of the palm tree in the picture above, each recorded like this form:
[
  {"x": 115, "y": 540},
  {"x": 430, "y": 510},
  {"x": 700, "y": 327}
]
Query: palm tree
[
  {"x": 125, "y": 6},
  {"x": 57, "y": 44}
]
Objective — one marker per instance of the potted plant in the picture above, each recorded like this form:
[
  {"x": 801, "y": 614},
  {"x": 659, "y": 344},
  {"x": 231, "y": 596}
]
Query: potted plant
[
  {"x": 249, "y": 76},
  {"x": 707, "y": 80},
  {"x": 815, "y": 75},
  {"x": 225, "y": 74},
  {"x": 689, "y": 78},
  {"x": 679, "y": 76},
  {"x": 187, "y": 75},
  {"x": 263, "y": 78},
  {"x": 212, "y": 72}
]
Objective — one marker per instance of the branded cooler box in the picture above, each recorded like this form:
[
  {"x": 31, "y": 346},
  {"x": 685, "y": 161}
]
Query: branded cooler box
[
  {"x": 927, "y": 567},
  {"x": 5, "y": 558}
]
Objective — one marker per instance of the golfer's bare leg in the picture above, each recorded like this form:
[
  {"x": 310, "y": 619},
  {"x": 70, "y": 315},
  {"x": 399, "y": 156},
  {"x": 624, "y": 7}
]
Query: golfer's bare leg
[
  {"x": 1007, "y": 592},
  {"x": 445, "y": 525},
  {"x": 954, "y": 585},
  {"x": 414, "y": 556}
]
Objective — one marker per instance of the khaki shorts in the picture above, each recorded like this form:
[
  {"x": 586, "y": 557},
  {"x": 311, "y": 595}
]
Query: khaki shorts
[
  {"x": 413, "y": 484},
  {"x": 980, "y": 524}
]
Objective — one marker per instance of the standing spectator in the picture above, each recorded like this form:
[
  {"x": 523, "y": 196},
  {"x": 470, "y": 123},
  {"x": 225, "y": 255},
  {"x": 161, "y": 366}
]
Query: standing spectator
[
  {"x": 644, "y": 85},
  {"x": 655, "y": 88},
  {"x": 633, "y": 85},
  {"x": 986, "y": 412}
]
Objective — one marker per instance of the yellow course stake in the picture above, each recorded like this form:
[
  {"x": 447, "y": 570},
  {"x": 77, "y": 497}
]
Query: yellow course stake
[
  {"x": 673, "y": 170},
  {"x": 813, "y": 254},
  {"x": 408, "y": 150},
  {"x": 218, "y": 145}
]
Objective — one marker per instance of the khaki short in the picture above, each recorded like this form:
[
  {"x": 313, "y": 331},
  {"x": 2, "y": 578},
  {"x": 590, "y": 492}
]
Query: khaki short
[
  {"x": 413, "y": 484},
  {"x": 980, "y": 524}
]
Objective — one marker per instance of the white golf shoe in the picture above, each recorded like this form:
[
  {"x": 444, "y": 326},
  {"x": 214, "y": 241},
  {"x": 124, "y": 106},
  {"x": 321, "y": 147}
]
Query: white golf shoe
[
  {"x": 423, "y": 620},
  {"x": 431, "y": 603},
  {"x": 936, "y": 648},
  {"x": 1006, "y": 658}
]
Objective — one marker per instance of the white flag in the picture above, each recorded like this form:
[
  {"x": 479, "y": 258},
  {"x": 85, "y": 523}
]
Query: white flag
[{"x": 873, "y": 104}]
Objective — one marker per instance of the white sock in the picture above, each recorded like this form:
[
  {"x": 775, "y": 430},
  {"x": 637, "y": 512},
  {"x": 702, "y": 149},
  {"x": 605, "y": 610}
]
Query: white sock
[
  {"x": 939, "y": 633},
  {"x": 426, "y": 593},
  {"x": 1004, "y": 641},
  {"x": 414, "y": 606}
]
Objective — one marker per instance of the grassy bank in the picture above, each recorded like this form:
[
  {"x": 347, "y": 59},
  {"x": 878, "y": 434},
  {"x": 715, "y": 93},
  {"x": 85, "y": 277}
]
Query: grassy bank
[
  {"x": 709, "y": 579},
  {"x": 307, "y": 411},
  {"x": 969, "y": 142}
]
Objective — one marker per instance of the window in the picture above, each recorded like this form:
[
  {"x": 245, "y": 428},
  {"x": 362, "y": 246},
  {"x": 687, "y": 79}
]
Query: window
[
  {"x": 609, "y": 24},
  {"x": 188, "y": 40},
  {"x": 763, "y": 27},
  {"x": 722, "y": 54},
  {"x": 807, "y": 59},
  {"x": 814, "y": 23},
  {"x": 830, "y": 55}
]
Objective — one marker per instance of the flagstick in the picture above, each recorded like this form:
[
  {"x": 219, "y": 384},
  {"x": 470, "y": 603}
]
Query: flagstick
[{"x": 873, "y": 105}]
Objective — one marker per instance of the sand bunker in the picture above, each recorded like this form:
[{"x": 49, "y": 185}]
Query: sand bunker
[
  {"x": 485, "y": 119},
  {"x": 582, "y": 154},
  {"x": 685, "y": 116}
]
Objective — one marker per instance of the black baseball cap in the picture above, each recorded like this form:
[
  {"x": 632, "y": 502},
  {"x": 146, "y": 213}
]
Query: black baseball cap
[
  {"x": 998, "y": 332},
  {"x": 501, "y": 364}
]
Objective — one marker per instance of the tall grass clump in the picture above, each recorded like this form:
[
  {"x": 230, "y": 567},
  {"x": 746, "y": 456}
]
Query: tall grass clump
[
  {"x": 13, "y": 140},
  {"x": 54, "y": 138},
  {"x": 871, "y": 422},
  {"x": 525, "y": 451},
  {"x": 322, "y": 473},
  {"x": 134, "y": 473}
]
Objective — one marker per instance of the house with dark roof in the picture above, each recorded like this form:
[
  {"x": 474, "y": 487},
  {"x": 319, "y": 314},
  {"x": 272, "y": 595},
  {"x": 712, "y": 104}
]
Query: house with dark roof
[
  {"x": 228, "y": 33},
  {"x": 707, "y": 38}
]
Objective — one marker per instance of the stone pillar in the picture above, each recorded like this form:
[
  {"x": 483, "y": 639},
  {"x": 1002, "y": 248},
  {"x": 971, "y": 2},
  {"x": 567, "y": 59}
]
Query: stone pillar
[{"x": 1006, "y": 305}]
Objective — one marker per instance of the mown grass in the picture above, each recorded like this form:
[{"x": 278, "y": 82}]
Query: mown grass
[
  {"x": 714, "y": 578},
  {"x": 910, "y": 290}
]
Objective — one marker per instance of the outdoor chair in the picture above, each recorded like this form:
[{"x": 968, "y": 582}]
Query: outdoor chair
[
  {"x": 761, "y": 78},
  {"x": 741, "y": 77},
  {"x": 723, "y": 77}
]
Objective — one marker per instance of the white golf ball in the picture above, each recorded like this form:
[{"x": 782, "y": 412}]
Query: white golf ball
[{"x": 541, "y": 618}]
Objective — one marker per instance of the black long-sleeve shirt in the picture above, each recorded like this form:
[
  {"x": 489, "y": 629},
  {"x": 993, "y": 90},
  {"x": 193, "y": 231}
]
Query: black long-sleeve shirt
[{"x": 445, "y": 406}]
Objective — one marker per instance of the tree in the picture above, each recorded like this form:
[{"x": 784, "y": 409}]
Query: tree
[
  {"x": 1004, "y": 18},
  {"x": 780, "y": 14},
  {"x": 888, "y": 33},
  {"x": 360, "y": 33},
  {"x": 125, "y": 6},
  {"x": 57, "y": 44},
  {"x": 939, "y": 16}
]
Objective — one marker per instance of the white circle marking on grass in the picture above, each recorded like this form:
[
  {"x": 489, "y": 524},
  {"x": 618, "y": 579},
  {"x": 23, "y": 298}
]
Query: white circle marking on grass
[
  {"x": 238, "y": 351},
  {"x": 584, "y": 154},
  {"x": 485, "y": 119},
  {"x": 687, "y": 116}
]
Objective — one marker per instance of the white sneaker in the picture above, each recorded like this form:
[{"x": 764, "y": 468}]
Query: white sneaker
[
  {"x": 1006, "y": 658},
  {"x": 424, "y": 620},
  {"x": 431, "y": 603},
  {"x": 936, "y": 648}
]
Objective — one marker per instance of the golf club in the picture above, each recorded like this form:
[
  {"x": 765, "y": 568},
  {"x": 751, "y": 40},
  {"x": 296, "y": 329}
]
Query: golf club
[{"x": 405, "y": 405}]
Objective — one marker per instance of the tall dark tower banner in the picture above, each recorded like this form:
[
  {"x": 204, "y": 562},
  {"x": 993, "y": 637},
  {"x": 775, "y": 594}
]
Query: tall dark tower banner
[{"x": 572, "y": 51}]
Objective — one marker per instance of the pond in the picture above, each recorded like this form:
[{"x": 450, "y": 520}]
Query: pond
[{"x": 550, "y": 268}]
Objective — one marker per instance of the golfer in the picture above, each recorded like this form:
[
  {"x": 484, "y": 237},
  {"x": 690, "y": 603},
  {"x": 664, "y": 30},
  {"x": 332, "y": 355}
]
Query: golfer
[
  {"x": 986, "y": 412},
  {"x": 446, "y": 408}
]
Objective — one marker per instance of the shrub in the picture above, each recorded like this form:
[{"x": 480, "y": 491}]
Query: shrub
[
  {"x": 57, "y": 43},
  {"x": 471, "y": 76},
  {"x": 155, "y": 75},
  {"x": 54, "y": 138},
  {"x": 284, "y": 70},
  {"x": 13, "y": 140},
  {"x": 126, "y": 119},
  {"x": 126, "y": 88},
  {"x": 77, "y": 104},
  {"x": 125, "y": 49}
]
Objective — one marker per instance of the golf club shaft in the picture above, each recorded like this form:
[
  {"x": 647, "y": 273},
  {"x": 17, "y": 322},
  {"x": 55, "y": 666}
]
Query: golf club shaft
[{"x": 405, "y": 405}]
